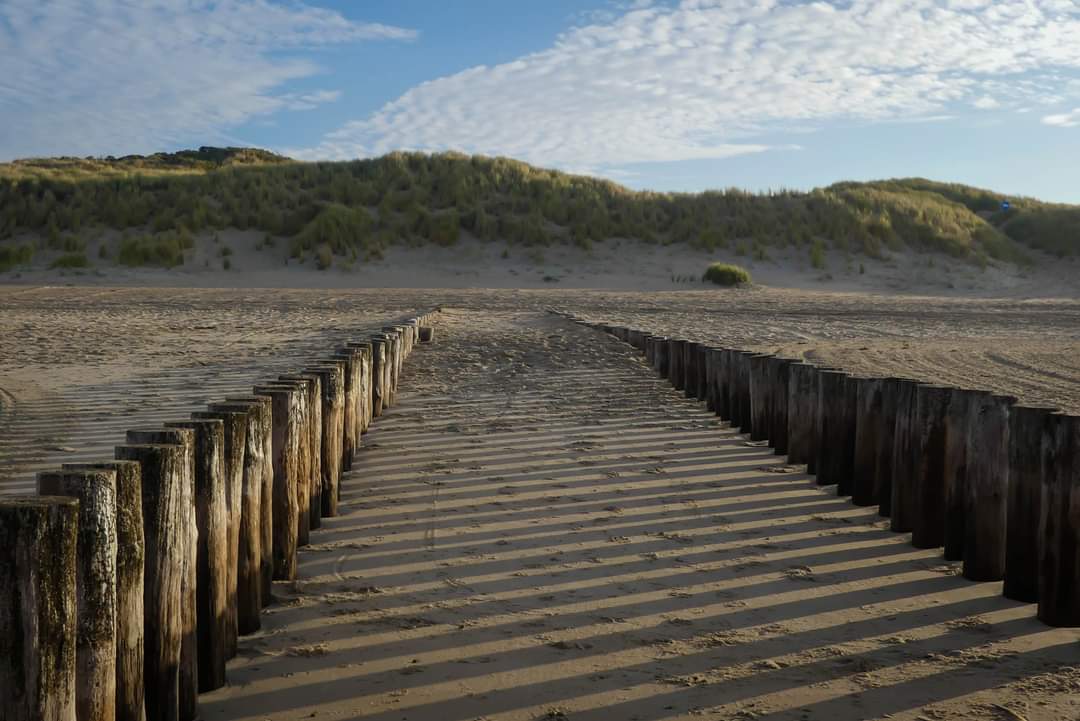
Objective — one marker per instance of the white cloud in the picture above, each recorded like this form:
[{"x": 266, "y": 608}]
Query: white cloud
[
  {"x": 709, "y": 78},
  {"x": 1064, "y": 120},
  {"x": 113, "y": 76}
]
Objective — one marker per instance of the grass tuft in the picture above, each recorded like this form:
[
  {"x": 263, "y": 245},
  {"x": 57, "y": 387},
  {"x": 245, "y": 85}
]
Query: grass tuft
[{"x": 727, "y": 275}]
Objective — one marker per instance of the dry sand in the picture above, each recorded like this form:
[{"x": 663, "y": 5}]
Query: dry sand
[{"x": 542, "y": 529}]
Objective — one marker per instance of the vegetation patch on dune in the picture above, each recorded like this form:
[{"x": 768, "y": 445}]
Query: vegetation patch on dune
[
  {"x": 727, "y": 275},
  {"x": 359, "y": 208}
]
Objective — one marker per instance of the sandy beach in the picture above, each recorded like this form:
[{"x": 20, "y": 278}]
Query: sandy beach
[{"x": 544, "y": 529}]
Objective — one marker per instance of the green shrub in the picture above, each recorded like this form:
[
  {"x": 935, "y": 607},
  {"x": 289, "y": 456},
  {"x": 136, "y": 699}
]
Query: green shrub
[
  {"x": 727, "y": 275},
  {"x": 11, "y": 256},
  {"x": 70, "y": 260},
  {"x": 166, "y": 251}
]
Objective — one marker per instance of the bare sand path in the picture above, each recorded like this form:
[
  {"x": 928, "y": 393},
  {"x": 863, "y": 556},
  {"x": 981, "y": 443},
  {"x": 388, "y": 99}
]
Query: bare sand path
[{"x": 544, "y": 530}]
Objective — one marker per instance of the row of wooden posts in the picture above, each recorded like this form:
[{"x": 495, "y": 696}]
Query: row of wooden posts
[
  {"x": 124, "y": 585},
  {"x": 993, "y": 482}
]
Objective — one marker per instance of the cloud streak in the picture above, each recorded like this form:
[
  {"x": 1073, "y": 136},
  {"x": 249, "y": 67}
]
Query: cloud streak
[
  {"x": 114, "y": 76},
  {"x": 708, "y": 79}
]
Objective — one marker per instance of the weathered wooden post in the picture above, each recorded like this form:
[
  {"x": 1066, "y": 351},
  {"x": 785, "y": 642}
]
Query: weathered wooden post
[
  {"x": 166, "y": 480},
  {"x": 692, "y": 373},
  {"x": 801, "y": 402},
  {"x": 731, "y": 382},
  {"x": 234, "y": 433},
  {"x": 677, "y": 363},
  {"x": 779, "y": 371},
  {"x": 332, "y": 385},
  {"x": 309, "y": 486},
  {"x": 864, "y": 488},
  {"x": 723, "y": 392},
  {"x": 1059, "y": 523},
  {"x": 95, "y": 586},
  {"x": 836, "y": 457},
  {"x": 288, "y": 437},
  {"x": 189, "y": 643},
  {"x": 662, "y": 353},
  {"x": 379, "y": 355},
  {"x": 702, "y": 372},
  {"x": 130, "y": 558},
  {"x": 885, "y": 450},
  {"x": 742, "y": 382},
  {"x": 956, "y": 493},
  {"x": 212, "y": 559},
  {"x": 712, "y": 362},
  {"x": 38, "y": 538},
  {"x": 987, "y": 488},
  {"x": 365, "y": 407},
  {"x": 905, "y": 447},
  {"x": 350, "y": 437},
  {"x": 255, "y": 558},
  {"x": 759, "y": 397},
  {"x": 393, "y": 364},
  {"x": 1028, "y": 425},
  {"x": 928, "y": 521}
]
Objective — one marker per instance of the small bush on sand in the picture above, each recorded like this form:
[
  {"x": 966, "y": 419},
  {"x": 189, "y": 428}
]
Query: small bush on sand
[
  {"x": 11, "y": 256},
  {"x": 726, "y": 274},
  {"x": 70, "y": 260}
]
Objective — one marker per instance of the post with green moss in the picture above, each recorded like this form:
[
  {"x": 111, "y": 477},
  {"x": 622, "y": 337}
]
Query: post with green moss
[
  {"x": 95, "y": 586},
  {"x": 1059, "y": 523},
  {"x": 1028, "y": 426},
  {"x": 129, "y": 585},
  {"x": 166, "y": 474},
  {"x": 183, "y": 439},
  {"x": 38, "y": 539}
]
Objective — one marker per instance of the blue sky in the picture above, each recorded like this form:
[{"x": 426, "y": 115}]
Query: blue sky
[{"x": 676, "y": 95}]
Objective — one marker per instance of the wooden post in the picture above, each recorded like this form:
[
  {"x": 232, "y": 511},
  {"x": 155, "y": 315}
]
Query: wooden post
[
  {"x": 258, "y": 453},
  {"x": 332, "y": 383},
  {"x": 95, "y": 586},
  {"x": 723, "y": 396},
  {"x": 905, "y": 446},
  {"x": 427, "y": 334},
  {"x": 234, "y": 432},
  {"x": 287, "y": 439},
  {"x": 662, "y": 352},
  {"x": 189, "y": 642},
  {"x": 129, "y": 585},
  {"x": 712, "y": 369},
  {"x": 987, "y": 488},
  {"x": 956, "y": 487},
  {"x": 759, "y": 397},
  {"x": 309, "y": 485},
  {"x": 393, "y": 364},
  {"x": 928, "y": 521},
  {"x": 1059, "y": 523},
  {"x": 731, "y": 382},
  {"x": 743, "y": 388},
  {"x": 832, "y": 463},
  {"x": 702, "y": 372},
  {"x": 38, "y": 538},
  {"x": 864, "y": 488},
  {"x": 801, "y": 402},
  {"x": 677, "y": 363},
  {"x": 886, "y": 449},
  {"x": 691, "y": 356},
  {"x": 211, "y": 519},
  {"x": 779, "y": 373},
  {"x": 1028, "y": 425},
  {"x": 365, "y": 415},
  {"x": 350, "y": 423},
  {"x": 379, "y": 344},
  {"x": 166, "y": 478}
]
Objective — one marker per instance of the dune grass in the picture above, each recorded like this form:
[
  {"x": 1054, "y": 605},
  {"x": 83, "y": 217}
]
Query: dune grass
[
  {"x": 727, "y": 275},
  {"x": 360, "y": 208}
]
